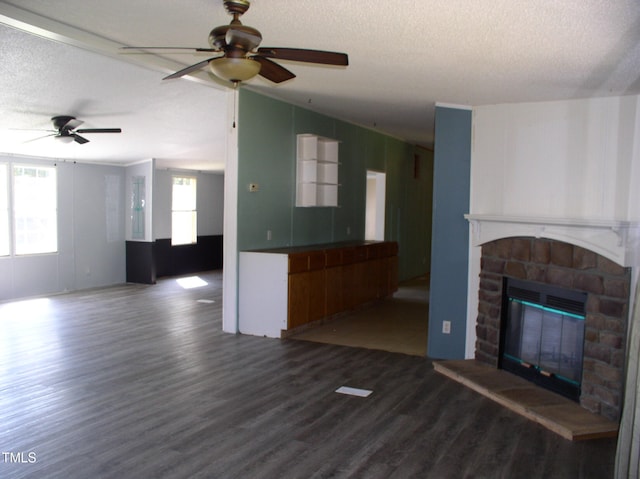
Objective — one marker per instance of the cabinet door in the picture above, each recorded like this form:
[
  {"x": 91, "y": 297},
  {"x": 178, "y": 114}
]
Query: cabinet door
[
  {"x": 307, "y": 297},
  {"x": 350, "y": 288},
  {"x": 317, "y": 295},
  {"x": 392, "y": 274},
  {"x": 334, "y": 289},
  {"x": 379, "y": 278},
  {"x": 372, "y": 280},
  {"x": 298, "y": 302}
]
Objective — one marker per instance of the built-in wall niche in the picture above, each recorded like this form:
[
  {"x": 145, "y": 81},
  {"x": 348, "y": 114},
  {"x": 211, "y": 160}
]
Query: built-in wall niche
[{"x": 316, "y": 171}]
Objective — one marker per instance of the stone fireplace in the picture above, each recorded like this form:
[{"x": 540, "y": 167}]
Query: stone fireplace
[
  {"x": 570, "y": 259},
  {"x": 561, "y": 264}
]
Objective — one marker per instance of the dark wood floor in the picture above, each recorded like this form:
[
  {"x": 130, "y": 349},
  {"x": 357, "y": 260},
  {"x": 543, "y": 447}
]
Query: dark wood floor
[{"x": 139, "y": 382}]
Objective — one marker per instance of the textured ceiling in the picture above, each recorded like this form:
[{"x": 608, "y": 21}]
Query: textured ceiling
[
  {"x": 404, "y": 57},
  {"x": 177, "y": 124}
]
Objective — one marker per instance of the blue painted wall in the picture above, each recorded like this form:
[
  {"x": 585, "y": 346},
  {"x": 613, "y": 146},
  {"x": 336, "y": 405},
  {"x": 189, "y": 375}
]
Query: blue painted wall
[{"x": 450, "y": 233}]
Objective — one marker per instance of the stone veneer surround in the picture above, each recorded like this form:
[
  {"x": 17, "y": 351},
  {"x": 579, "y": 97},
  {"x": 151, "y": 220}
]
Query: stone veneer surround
[{"x": 565, "y": 265}]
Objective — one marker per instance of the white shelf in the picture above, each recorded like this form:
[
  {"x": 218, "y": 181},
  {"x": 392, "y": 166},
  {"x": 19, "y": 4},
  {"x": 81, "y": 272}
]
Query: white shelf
[
  {"x": 307, "y": 147},
  {"x": 327, "y": 195},
  {"x": 327, "y": 173},
  {"x": 316, "y": 171}
]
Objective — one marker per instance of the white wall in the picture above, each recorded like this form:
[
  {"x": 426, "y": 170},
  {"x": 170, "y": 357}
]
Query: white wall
[
  {"x": 577, "y": 159},
  {"x": 210, "y": 202},
  {"x": 564, "y": 159},
  {"x": 91, "y": 248}
]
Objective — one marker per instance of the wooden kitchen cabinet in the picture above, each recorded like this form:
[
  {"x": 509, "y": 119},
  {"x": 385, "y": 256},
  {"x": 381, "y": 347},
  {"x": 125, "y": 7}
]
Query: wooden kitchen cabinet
[
  {"x": 306, "y": 294},
  {"x": 285, "y": 288}
]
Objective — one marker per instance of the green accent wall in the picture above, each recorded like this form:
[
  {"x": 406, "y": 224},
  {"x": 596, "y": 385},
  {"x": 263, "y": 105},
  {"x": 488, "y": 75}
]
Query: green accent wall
[{"x": 267, "y": 130}]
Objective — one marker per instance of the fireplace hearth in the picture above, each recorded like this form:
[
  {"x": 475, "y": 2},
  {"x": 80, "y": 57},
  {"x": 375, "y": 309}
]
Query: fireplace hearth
[{"x": 553, "y": 267}]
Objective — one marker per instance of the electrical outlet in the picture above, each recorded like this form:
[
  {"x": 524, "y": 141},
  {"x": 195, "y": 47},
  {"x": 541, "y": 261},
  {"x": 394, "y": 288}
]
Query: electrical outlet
[
  {"x": 268, "y": 235},
  {"x": 446, "y": 327}
]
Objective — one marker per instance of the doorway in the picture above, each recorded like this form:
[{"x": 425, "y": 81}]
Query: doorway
[{"x": 375, "y": 205}]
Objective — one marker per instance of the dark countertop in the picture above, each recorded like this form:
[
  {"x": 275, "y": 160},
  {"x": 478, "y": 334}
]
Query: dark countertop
[{"x": 315, "y": 247}]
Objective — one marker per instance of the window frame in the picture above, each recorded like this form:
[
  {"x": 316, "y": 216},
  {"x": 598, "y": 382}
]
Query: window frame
[
  {"x": 190, "y": 215},
  {"x": 16, "y": 247}
]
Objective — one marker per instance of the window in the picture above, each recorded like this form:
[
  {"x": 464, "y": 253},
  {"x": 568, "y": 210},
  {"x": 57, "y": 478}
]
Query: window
[
  {"x": 184, "y": 217},
  {"x": 4, "y": 211},
  {"x": 35, "y": 219},
  {"x": 137, "y": 207},
  {"x": 28, "y": 210}
]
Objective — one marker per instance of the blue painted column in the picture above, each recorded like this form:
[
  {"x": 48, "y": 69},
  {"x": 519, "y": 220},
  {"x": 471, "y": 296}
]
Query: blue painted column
[{"x": 450, "y": 232}]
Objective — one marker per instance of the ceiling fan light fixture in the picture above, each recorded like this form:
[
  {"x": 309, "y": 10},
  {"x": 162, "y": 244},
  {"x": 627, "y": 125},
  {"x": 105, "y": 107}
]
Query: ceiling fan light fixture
[{"x": 234, "y": 69}]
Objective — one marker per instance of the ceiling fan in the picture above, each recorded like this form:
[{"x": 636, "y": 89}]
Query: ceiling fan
[
  {"x": 239, "y": 58},
  {"x": 66, "y": 130}
]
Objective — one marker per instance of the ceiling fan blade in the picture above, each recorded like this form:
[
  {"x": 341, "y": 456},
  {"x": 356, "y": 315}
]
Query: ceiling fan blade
[
  {"x": 79, "y": 139},
  {"x": 100, "y": 130},
  {"x": 272, "y": 71},
  {"x": 189, "y": 69},
  {"x": 188, "y": 49},
  {"x": 32, "y": 129},
  {"x": 40, "y": 137},
  {"x": 303, "y": 55}
]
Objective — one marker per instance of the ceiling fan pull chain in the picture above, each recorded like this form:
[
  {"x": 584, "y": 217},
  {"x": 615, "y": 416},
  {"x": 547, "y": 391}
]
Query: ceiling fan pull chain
[{"x": 235, "y": 99}]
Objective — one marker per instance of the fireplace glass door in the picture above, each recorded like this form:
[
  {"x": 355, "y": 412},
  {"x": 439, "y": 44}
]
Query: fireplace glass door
[{"x": 543, "y": 336}]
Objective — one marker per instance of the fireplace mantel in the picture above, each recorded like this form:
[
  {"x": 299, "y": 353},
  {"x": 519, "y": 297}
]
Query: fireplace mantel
[{"x": 616, "y": 240}]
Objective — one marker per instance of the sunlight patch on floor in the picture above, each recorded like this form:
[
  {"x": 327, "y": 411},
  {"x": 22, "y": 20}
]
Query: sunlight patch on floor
[
  {"x": 27, "y": 308},
  {"x": 191, "y": 282}
]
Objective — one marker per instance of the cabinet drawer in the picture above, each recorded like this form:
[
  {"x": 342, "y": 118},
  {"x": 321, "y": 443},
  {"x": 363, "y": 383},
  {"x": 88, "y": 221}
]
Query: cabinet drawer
[
  {"x": 333, "y": 257},
  {"x": 375, "y": 251},
  {"x": 316, "y": 260},
  {"x": 348, "y": 255},
  {"x": 298, "y": 262},
  {"x": 360, "y": 253}
]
